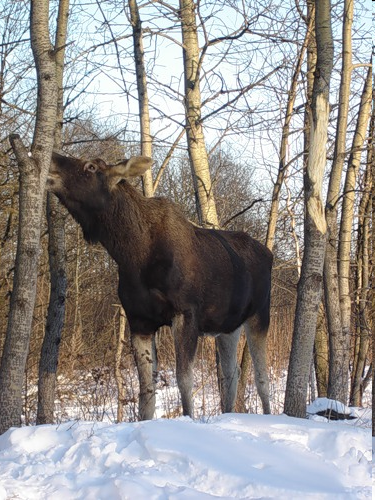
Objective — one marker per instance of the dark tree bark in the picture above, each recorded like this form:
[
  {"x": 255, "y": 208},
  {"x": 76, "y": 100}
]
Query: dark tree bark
[
  {"x": 372, "y": 296},
  {"x": 33, "y": 176}
]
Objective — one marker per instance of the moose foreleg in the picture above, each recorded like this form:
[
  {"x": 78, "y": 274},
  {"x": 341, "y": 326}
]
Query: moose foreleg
[
  {"x": 257, "y": 342},
  {"x": 143, "y": 352},
  {"x": 229, "y": 372},
  {"x": 185, "y": 336}
]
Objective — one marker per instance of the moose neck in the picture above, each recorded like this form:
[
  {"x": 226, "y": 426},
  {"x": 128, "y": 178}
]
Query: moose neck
[{"x": 122, "y": 226}]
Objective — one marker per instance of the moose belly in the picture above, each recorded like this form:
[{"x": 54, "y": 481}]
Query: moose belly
[
  {"x": 146, "y": 310},
  {"x": 214, "y": 320}
]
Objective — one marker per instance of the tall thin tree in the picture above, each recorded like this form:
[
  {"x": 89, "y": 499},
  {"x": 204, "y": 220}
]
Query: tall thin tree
[
  {"x": 56, "y": 250},
  {"x": 339, "y": 349},
  {"x": 143, "y": 105},
  {"x": 292, "y": 94},
  {"x": 372, "y": 297},
  {"x": 143, "y": 344},
  {"x": 193, "y": 105},
  {"x": 310, "y": 284},
  {"x": 33, "y": 177},
  {"x": 346, "y": 224}
]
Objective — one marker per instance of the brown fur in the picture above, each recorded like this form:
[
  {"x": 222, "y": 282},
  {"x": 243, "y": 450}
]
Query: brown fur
[{"x": 168, "y": 268}]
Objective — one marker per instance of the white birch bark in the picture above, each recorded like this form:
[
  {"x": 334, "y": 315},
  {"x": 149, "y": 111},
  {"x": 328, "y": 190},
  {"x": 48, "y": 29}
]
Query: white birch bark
[
  {"x": 207, "y": 213},
  {"x": 339, "y": 359},
  {"x": 144, "y": 114},
  {"x": 345, "y": 239}
]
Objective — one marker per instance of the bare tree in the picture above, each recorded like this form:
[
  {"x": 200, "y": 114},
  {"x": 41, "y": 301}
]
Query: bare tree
[
  {"x": 363, "y": 318},
  {"x": 292, "y": 93},
  {"x": 342, "y": 349},
  {"x": 143, "y": 103},
  {"x": 33, "y": 176},
  {"x": 142, "y": 344},
  {"x": 206, "y": 207},
  {"x": 372, "y": 296},
  {"x": 310, "y": 283},
  {"x": 56, "y": 229},
  {"x": 339, "y": 349},
  {"x": 120, "y": 340},
  {"x": 321, "y": 354}
]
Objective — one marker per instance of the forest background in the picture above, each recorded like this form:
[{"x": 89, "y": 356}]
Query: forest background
[{"x": 255, "y": 65}]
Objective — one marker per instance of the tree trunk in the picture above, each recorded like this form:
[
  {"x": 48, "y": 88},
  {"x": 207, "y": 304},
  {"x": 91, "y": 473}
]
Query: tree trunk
[
  {"x": 76, "y": 339},
  {"x": 362, "y": 283},
  {"x": 56, "y": 250},
  {"x": 345, "y": 237},
  {"x": 245, "y": 366},
  {"x": 204, "y": 196},
  {"x": 146, "y": 139},
  {"x": 310, "y": 284},
  {"x": 336, "y": 384},
  {"x": 55, "y": 317},
  {"x": 321, "y": 353},
  {"x": 363, "y": 321},
  {"x": 205, "y": 201},
  {"x": 321, "y": 357},
  {"x": 33, "y": 176},
  {"x": 372, "y": 291},
  {"x": 118, "y": 359},
  {"x": 146, "y": 147},
  {"x": 274, "y": 211}
]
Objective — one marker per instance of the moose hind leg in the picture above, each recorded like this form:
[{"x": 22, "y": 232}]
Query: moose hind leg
[
  {"x": 143, "y": 352},
  {"x": 185, "y": 336},
  {"x": 228, "y": 369},
  {"x": 257, "y": 342}
]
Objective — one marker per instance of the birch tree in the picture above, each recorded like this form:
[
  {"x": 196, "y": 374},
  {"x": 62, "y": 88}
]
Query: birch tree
[
  {"x": 143, "y": 344},
  {"x": 206, "y": 207},
  {"x": 310, "y": 284},
  {"x": 363, "y": 318},
  {"x": 33, "y": 176},
  {"x": 143, "y": 103},
  {"x": 342, "y": 347},
  {"x": 339, "y": 349},
  {"x": 56, "y": 250}
]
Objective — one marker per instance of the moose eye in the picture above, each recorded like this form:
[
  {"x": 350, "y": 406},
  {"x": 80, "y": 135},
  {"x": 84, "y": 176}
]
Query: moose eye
[{"x": 90, "y": 167}]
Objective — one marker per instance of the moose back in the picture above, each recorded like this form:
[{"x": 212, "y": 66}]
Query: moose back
[{"x": 198, "y": 281}]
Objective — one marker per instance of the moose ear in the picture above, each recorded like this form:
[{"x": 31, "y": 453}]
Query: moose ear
[{"x": 136, "y": 165}]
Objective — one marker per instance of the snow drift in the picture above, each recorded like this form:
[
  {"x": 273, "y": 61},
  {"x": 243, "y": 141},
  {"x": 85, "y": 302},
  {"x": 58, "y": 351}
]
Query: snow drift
[{"x": 228, "y": 456}]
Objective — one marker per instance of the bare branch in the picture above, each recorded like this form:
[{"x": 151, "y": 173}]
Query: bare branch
[
  {"x": 241, "y": 212},
  {"x": 241, "y": 93}
]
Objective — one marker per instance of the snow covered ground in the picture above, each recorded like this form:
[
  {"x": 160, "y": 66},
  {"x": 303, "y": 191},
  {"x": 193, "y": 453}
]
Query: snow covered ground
[{"x": 227, "y": 456}]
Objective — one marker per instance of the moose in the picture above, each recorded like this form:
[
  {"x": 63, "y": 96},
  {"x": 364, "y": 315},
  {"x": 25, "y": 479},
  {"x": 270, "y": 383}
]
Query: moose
[{"x": 197, "y": 281}]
